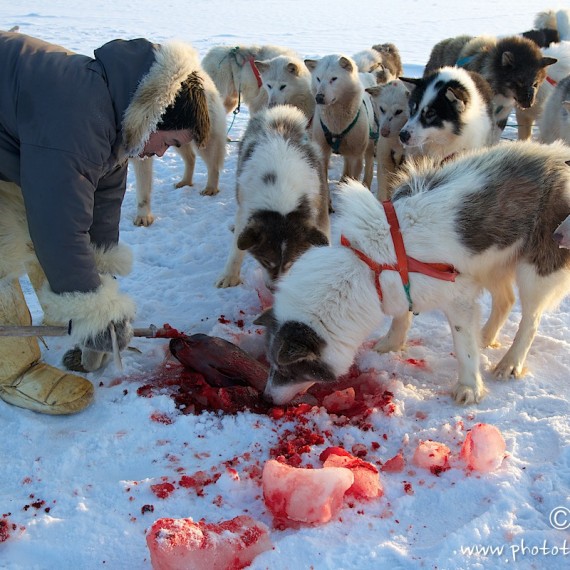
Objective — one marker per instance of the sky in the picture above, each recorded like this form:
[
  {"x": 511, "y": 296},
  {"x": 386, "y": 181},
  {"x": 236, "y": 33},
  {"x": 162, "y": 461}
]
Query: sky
[{"x": 81, "y": 491}]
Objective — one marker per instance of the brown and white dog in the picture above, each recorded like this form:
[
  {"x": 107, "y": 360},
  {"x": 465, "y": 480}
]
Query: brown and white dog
[
  {"x": 281, "y": 193},
  {"x": 490, "y": 214}
]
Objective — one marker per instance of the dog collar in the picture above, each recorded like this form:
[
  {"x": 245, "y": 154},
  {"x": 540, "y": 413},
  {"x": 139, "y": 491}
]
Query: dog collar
[
  {"x": 334, "y": 139},
  {"x": 404, "y": 263}
]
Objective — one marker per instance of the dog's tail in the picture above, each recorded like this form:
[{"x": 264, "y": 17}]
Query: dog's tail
[{"x": 563, "y": 24}]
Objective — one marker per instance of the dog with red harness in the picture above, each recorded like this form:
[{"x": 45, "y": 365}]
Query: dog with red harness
[{"x": 484, "y": 220}]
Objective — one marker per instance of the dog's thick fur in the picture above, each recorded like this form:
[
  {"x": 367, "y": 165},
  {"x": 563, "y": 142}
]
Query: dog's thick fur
[
  {"x": 281, "y": 193},
  {"x": 554, "y": 121},
  {"x": 514, "y": 67},
  {"x": 212, "y": 152},
  {"x": 345, "y": 112},
  {"x": 232, "y": 72},
  {"x": 491, "y": 214},
  {"x": 556, "y": 73},
  {"x": 384, "y": 63},
  {"x": 450, "y": 112},
  {"x": 287, "y": 81},
  {"x": 391, "y": 103},
  {"x": 550, "y": 26}
]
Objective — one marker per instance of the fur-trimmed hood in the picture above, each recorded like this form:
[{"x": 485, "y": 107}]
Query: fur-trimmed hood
[{"x": 140, "y": 105}]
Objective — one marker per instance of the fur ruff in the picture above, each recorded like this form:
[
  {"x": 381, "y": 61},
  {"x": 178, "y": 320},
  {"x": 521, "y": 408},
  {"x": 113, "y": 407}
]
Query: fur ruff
[{"x": 175, "y": 62}]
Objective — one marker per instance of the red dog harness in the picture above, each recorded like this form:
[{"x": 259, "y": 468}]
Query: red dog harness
[
  {"x": 255, "y": 71},
  {"x": 404, "y": 263}
]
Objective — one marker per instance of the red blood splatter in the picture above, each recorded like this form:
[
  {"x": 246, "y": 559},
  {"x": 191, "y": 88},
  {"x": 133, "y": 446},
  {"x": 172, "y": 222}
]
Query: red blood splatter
[
  {"x": 417, "y": 362},
  {"x": 198, "y": 481},
  {"x": 6, "y": 528},
  {"x": 168, "y": 332},
  {"x": 408, "y": 489},
  {"x": 162, "y": 490},
  {"x": 161, "y": 418},
  {"x": 147, "y": 509},
  {"x": 222, "y": 319}
]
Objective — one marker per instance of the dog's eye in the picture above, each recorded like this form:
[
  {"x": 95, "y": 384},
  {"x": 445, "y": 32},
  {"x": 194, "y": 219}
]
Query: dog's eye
[
  {"x": 398, "y": 112},
  {"x": 429, "y": 114},
  {"x": 282, "y": 87},
  {"x": 318, "y": 79},
  {"x": 268, "y": 86},
  {"x": 382, "y": 110},
  {"x": 333, "y": 79}
]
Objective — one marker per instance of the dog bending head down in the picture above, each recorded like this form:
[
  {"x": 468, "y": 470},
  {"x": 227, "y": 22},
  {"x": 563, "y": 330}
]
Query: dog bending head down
[{"x": 491, "y": 214}]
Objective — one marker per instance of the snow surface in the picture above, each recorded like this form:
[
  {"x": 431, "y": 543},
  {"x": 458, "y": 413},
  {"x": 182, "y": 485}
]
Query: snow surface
[{"x": 94, "y": 470}]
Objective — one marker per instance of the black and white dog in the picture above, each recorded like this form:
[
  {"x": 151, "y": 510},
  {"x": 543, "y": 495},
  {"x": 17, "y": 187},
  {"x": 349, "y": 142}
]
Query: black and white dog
[
  {"x": 450, "y": 112},
  {"x": 491, "y": 214},
  {"x": 282, "y": 195}
]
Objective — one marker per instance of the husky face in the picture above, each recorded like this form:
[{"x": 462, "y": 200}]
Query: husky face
[
  {"x": 391, "y": 102},
  {"x": 333, "y": 78},
  {"x": 517, "y": 69},
  {"x": 284, "y": 79},
  {"x": 276, "y": 240},
  {"x": 294, "y": 351},
  {"x": 436, "y": 107}
]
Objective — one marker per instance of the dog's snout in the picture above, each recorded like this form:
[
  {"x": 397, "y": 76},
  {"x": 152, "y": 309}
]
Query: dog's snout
[
  {"x": 320, "y": 99},
  {"x": 405, "y": 136}
]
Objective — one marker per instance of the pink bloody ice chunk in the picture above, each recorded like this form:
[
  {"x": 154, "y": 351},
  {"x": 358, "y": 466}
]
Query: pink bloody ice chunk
[
  {"x": 340, "y": 400},
  {"x": 483, "y": 448},
  {"x": 310, "y": 496},
  {"x": 228, "y": 545},
  {"x": 366, "y": 484},
  {"x": 432, "y": 455}
]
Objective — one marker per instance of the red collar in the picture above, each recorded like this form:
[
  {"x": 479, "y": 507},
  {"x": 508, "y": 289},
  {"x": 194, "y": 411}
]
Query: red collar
[
  {"x": 404, "y": 263},
  {"x": 255, "y": 71},
  {"x": 551, "y": 81}
]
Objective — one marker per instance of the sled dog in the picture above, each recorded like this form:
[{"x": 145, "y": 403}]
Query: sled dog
[
  {"x": 236, "y": 76},
  {"x": 450, "y": 112},
  {"x": 281, "y": 194},
  {"x": 287, "y": 81},
  {"x": 485, "y": 219},
  {"x": 554, "y": 121},
  {"x": 514, "y": 67},
  {"x": 344, "y": 121},
  {"x": 391, "y": 105}
]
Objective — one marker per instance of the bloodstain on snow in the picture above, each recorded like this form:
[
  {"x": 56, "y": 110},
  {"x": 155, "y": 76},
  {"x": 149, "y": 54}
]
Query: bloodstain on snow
[{"x": 6, "y": 528}]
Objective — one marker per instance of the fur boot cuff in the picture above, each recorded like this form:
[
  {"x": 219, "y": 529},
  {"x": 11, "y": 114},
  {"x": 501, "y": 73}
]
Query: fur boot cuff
[{"x": 89, "y": 313}]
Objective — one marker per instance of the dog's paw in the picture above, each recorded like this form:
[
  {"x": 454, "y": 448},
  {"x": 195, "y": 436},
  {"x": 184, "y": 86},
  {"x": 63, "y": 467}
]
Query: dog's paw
[
  {"x": 507, "y": 369},
  {"x": 209, "y": 191},
  {"x": 184, "y": 182},
  {"x": 386, "y": 344},
  {"x": 143, "y": 220},
  {"x": 465, "y": 395},
  {"x": 228, "y": 281}
]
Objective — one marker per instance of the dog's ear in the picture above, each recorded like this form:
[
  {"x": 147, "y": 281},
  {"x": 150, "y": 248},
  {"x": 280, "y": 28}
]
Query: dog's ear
[
  {"x": 297, "y": 341},
  {"x": 311, "y": 64},
  {"x": 293, "y": 69},
  {"x": 374, "y": 91},
  {"x": 411, "y": 82},
  {"x": 458, "y": 97},
  {"x": 508, "y": 59},
  {"x": 547, "y": 61},
  {"x": 262, "y": 66},
  {"x": 266, "y": 319},
  {"x": 250, "y": 235},
  {"x": 345, "y": 63},
  {"x": 316, "y": 237}
]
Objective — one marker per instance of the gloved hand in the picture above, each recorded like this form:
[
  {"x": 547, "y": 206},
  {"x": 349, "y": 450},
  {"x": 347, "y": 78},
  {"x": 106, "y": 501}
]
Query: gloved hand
[{"x": 91, "y": 315}]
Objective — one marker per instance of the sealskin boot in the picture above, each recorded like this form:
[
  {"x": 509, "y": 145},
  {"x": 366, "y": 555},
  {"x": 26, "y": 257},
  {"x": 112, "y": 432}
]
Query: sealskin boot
[{"x": 26, "y": 382}]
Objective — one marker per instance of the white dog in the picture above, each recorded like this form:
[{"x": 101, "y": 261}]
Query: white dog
[
  {"x": 281, "y": 193},
  {"x": 236, "y": 76},
  {"x": 391, "y": 103},
  {"x": 213, "y": 153},
  {"x": 554, "y": 121},
  {"x": 489, "y": 214},
  {"x": 344, "y": 117},
  {"x": 287, "y": 81}
]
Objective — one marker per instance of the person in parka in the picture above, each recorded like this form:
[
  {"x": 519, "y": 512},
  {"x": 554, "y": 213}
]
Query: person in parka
[{"x": 68, "y": 125}]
